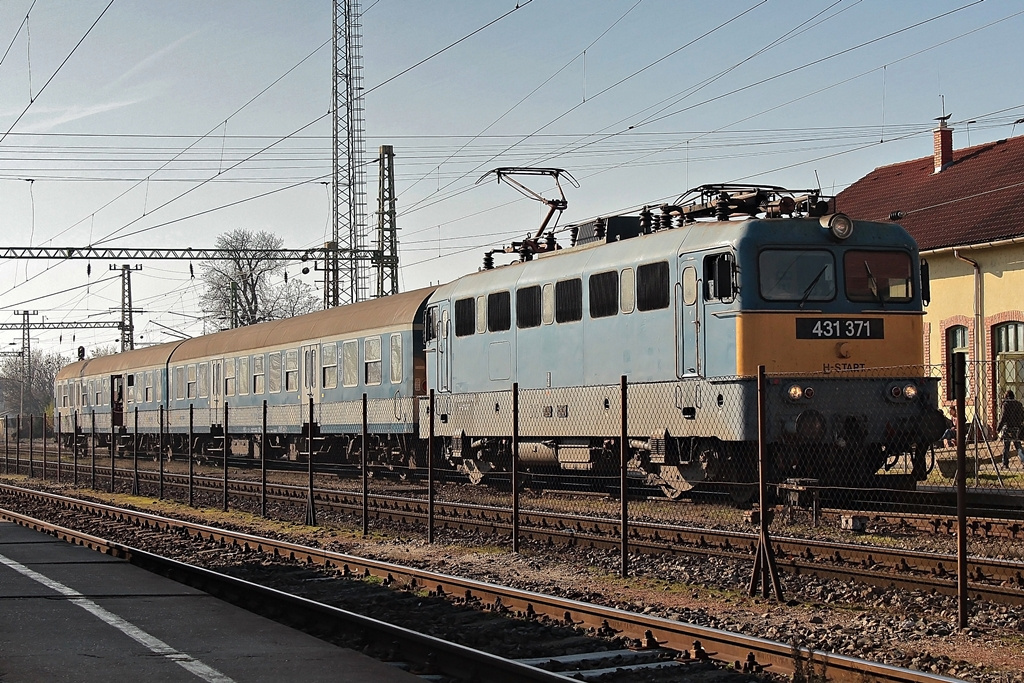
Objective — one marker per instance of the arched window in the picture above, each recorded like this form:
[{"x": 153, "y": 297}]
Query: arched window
[
  {"x": 956, "y": 342},
  {"x": 1009, "y": 358}
]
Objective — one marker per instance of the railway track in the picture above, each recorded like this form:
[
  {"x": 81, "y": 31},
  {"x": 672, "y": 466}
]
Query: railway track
[
  {"x": 744, "y": 653},
  {"x": 991, "y": 580}
]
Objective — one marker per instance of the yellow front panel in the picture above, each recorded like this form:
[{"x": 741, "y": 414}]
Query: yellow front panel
[{"x": 770, "y": 339}]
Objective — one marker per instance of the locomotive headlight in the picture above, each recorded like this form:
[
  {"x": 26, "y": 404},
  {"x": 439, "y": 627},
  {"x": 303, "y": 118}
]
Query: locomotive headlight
[
  {"x": 794, "y": 392},
  {"x": 839, "y": 224},
  {"x": 910, "y": 392}
]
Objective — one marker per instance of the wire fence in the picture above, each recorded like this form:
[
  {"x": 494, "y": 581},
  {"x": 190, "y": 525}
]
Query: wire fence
[{"x": 869, "y": 457}]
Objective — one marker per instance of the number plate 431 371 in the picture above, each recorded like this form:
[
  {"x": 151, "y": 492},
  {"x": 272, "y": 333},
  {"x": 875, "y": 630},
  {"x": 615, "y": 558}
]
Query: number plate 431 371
[{"x": 840, "y": 328}]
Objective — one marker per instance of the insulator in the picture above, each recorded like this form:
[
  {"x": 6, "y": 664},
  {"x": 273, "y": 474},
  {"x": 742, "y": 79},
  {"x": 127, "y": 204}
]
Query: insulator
[
  {"x": 286, "y": 277},
  {"x": 599, "y": 228},
  {"x": 88, "y": 269},
  {"x": 574, "y": 231},
  {"x": 665, "y": 221},
  {"x": 645, "y": 220},
  {"x": 488, "y": 261},
  {"x": 722, "y": 207},
  {"x": 550, "y": 242},
  {"x": 191, "y": 271}
]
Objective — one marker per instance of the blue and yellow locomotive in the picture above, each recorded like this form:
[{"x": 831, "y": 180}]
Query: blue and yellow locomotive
[{"x": 686, "y": 302}]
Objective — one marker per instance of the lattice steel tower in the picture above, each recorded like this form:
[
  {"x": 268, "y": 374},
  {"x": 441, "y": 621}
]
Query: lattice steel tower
[
  {"x": 386, "y": 255},
  {"x": 345, "y": 278}
]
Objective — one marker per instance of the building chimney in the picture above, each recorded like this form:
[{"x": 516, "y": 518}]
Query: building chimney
[{"x": 943, "y": 142}]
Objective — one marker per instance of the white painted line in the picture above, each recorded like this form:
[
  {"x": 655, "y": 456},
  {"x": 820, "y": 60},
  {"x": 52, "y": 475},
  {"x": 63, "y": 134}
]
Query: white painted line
[{"x": 155, "y": 645}]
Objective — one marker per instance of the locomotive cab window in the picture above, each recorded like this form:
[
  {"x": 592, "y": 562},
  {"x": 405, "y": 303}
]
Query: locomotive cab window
[
  {"x": 528, "y": 307},
  {"x": 465, "y": 317},
  {"x": 652, "y": 286},
  {"x": 797, "y": 275},
  {"x": 569, "y": 300},
  {"x": 499, "y": 313},
  {"x": 604, "y": 294},
  {"x": 878, "y": 276}
]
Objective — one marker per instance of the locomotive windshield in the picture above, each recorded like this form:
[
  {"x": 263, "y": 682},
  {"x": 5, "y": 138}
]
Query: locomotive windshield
[
  {"x": 797, "y": 275},
  {"x": 878, "y": 276}
]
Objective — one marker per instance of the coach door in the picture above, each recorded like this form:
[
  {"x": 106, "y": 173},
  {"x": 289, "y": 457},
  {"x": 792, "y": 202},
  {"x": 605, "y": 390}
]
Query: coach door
[
  {"x": 688, "y": 319},
  {"x": 310, "y": 372},
  {"x": 117, "y": 400}
]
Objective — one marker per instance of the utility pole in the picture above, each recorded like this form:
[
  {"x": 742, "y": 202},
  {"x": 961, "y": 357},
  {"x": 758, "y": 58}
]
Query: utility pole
[
  {"x": 344, "y": 282},
  {"x": 127, "y": 322},
  {"x": 387, "y": 228},
  {"x": 26, "y": 354}
]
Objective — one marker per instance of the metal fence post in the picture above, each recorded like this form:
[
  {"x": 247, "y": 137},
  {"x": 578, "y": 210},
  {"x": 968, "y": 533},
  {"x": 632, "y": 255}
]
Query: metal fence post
[
  {"x": 765, "y": 569},
  {"x": 366, "y": 482},
  {"x": 959, "y": 393},
  {"x": 74, "y": 448},
  {"x": 31, "y": 445},
  {"x": 227, "y": 447},
  {"x": 92, "y": 449},
  {"x": 263, "y": 462},
  {"x": 113, "y": 450},
  {"x": 515, "y": 467},
  {"x": 191, "y": 468},
  {"x": 430, "y": 470},
  {"x": 44, "y": 447},
  {"x": 160, "y": 455},
  {"x": 60, "y": 446},
  {"x": 310, "y": 503},
  {"x": 17, "y": 448},
  {"x": 7, "y": 447},
  {"x": 624, "y": 480},
  {"x": 135, "y": 455}
]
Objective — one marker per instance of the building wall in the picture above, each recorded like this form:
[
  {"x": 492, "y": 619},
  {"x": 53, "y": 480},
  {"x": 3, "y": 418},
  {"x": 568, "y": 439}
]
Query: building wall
[{"x": 952, "y": 303}]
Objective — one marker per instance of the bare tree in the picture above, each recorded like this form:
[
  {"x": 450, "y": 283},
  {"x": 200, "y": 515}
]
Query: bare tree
[
  {"x": 32, "y": 397},
  {"x": 252, "y": 287},
  {"x": 106, "y": 350}
]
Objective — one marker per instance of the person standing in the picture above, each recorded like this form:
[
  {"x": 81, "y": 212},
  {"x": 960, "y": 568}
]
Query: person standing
[{"x": 1010, "y": 423}]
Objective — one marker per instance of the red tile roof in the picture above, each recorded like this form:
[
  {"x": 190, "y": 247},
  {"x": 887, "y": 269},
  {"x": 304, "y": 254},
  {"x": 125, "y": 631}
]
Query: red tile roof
[{"x": 979, "y": 197}]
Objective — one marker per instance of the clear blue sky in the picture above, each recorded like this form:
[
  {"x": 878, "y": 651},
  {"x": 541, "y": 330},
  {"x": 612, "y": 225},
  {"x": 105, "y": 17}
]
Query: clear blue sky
[{"x": 638, "y": 100}]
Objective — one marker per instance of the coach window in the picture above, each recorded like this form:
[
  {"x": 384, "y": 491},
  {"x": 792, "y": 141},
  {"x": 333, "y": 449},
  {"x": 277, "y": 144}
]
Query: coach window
[
  {"x": 396, "y": 357},
  {"x": 350, "y": 363},
  {"x": 652, "y": 286},
  {"x": 371, "y": 360},
  {"x": 243, "y": 376},
  {"x": 499, "y": 313},
  {"x": 329, "y": 362},
  {"x": 204, "y": 380},
  {"x": 193, "y": 382},
  {"x": 147, "y": 380},
  {"x": 604, "y": 294},
  {"x": 627, "y": 290},
  {"x": 106, "y": 391},
  {"x": 258, "y": 374},
  {"x": 179, "y": 383},
  {"x": 481, "y": 314},
  {"x": 291, "y": 370},
  {"x": 465, "y": 323},
  {"x": 274, "y": 372},
  {"x": 528, "y": 307},
  {"x": 229, "y": 377}
]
